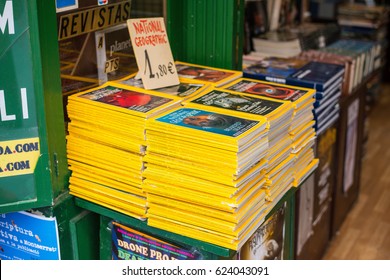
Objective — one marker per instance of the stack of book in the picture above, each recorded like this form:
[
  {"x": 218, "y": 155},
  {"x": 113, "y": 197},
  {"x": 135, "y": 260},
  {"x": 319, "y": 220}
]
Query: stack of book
[
  {"x": 359, "y": 15},
  {"x": 369, "y": 23},
  {"x": 333, "y": 58},
  {"x": 292, "y": 41},
  {"x": 278, "y": 114},
  {"x": 204, "y": 174},
  {"x": 106, "y": 144},
  {"x": 325, "y": 78},
  {"x": 365, "y": 54},
  {"x": 301, "y": 130}
]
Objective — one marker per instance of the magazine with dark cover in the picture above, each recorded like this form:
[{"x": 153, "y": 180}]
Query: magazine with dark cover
[
  {"x": 236, "y": 102},
  {"x": 130, "y": 244}
]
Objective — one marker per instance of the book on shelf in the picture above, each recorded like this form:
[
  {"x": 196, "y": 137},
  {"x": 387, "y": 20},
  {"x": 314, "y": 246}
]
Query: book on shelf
[
  {"x": 351, "y": 14},
  {"x": 296, "y": 72},
  {"x": 364, "y": 53},
  {"x": 333, "y": 58}
]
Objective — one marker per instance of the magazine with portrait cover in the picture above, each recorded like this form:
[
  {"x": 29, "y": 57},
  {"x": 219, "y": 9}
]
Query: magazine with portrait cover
[{"x": 221, "y": 129}]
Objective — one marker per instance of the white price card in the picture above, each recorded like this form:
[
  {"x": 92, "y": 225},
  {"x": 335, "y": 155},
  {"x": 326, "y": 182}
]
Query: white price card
[{"x": 153, "y": 53}]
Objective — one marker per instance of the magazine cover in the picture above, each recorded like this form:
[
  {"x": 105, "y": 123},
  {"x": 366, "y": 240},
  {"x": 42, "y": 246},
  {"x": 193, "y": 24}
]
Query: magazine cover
[
  {"x": 129, "y": 100},
  {"x": 236, "y": 102},
  {"x": 26, "y": 236},
  {"x": 208, "y": 121},
  {"x": 268, "y": 241},
  {"x": 215, "y": 76},
  {"x": 271, "y": 90},
  {"x": 130, "y": 244}
]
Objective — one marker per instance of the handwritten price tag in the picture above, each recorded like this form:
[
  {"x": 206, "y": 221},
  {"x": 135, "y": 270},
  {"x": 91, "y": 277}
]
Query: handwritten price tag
[{"x": 152, "y": 52}]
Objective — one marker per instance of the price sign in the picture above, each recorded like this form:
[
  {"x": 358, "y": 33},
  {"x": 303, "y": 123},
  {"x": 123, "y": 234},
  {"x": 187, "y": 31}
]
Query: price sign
[{"x": 152, "y": 52}]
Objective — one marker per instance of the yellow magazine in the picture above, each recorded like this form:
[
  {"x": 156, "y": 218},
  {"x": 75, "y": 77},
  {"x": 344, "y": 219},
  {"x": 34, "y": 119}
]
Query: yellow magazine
[
  {"x": 101, "y": 180},
  {"x": 110, "y": 172},
  {"x": 86, "y": 112},
  {"x": 111, "y": 204},
  {"x": 108, "y": 138},
  {"x": 198, "y": 233},
  {"x": 109, "y": 192},
  {"x": 196, "y": 152},
  {"x": 227, "y": 179},
  {"x": 297, "y": 95},
  {"x": 304, "y": 129},
  {"x": 157, "y": 133},
  {"x": 303, "y": 141},
  {"x": 196, "y": 219},
  {"x": 125, "y": 136},
  {"x": 101, "y": 121},
  {"x": 85, "y": 146},
  {"x": 162, "y": 175},
  {"x": 235, "y": 217},
  {"x": 221, "y": 129},
  {"x": 213, "y": 223},
  {"x": 302, "y": 175},
  {"x": 215, "y": 76},
  {"x": 204, "y": 167},
  {"x": 104, "y": 165},
  {"x": 238, "y": 104},
  {"x": 206, "y": 235},
  {"x": 185, "y": 89},
  {"x": 125, "y": 99},
  {"x": 197, "y": 197}
]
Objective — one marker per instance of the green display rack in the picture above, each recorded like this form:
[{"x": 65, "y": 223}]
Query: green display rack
[
  {"x": 33, "y": 166},
  {"x": 207, "y": 32}
]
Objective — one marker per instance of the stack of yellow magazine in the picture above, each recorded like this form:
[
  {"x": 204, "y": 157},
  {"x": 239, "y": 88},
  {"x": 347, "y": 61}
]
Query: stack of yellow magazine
[
  {"x": 278, "y": 115},
  {"x": 204, "y": 174},
  {"x": 106, "y": 144},
  {"x": 200, "y": 73},
  {"x": 301, "y": 131}
]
